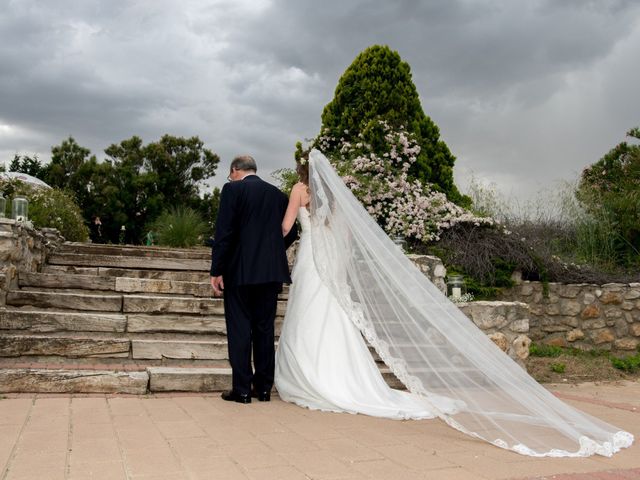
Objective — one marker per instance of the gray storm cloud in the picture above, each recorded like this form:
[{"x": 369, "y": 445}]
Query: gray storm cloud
[{"x": 525, "y": 92}]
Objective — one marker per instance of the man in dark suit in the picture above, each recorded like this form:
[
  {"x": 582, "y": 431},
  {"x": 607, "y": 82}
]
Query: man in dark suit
[{"x": 249, "y": 263}]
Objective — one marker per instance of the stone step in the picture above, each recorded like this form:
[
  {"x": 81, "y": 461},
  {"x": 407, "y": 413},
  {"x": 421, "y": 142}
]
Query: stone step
[
  {"x": 72, "y": 381},
  {"x": 391, "y": 379},
  {"x": 34, "y": 320},
  {"x": 144, "y": 285},
  {"x": 134, "y": 251},
  {"x": 67, "y": 281},
  {"x": 167, "y": 379},
  {"x": 115, "y": 364},
  {"x": 65, "y": 300},
  {"x": 177, "y": 275},
  {"x": 151, "y": 379},
  {"x": 172, "y": 379},
  {"x": 176, "y": 349},
  {"x": 32, "y": 281},
  {"x": 210, "y": 324},
  {"x": 18, "y": 345},
  {"x": 55, "y": 321},
  {"x": 157, "y": 263},
  {"x": 161, "y": 304}
]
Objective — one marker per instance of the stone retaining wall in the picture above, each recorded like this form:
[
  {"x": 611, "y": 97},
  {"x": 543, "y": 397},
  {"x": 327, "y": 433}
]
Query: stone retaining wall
[
  {"x": 584, "y": 316},
  {"x": 506, "y": 324},
  {"x": 22, "y": 249}
]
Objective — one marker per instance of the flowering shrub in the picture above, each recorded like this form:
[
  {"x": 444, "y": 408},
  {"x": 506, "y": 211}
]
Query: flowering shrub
[
  {"x": 52, "y": 208},
  {"x": 378, "y": 175}
]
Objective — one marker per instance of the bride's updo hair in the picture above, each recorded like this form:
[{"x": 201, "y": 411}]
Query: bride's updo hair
[{"x": 302, "y": 166}]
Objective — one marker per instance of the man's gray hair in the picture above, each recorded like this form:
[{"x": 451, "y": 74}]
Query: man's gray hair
[{"x": 244, "y": 162}]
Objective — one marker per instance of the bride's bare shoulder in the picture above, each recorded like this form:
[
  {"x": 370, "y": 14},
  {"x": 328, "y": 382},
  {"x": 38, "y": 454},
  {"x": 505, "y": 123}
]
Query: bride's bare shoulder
[{"x": 299, "y": 187}]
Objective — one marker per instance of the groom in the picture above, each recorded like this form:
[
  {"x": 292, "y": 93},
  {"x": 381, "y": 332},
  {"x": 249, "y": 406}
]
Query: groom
[{"x": 249, "y": 263}]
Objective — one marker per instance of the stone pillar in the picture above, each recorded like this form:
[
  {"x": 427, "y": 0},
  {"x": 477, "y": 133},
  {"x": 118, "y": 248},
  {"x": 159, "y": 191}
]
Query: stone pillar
[{"x": 22, "y": 249}]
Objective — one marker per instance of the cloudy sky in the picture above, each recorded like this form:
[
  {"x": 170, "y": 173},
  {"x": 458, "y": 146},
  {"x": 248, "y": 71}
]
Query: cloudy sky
[{"x": 525, "y": 92}]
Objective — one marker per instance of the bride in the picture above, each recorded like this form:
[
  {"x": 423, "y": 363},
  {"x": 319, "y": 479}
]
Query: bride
[{"x": 351, "y": 283}]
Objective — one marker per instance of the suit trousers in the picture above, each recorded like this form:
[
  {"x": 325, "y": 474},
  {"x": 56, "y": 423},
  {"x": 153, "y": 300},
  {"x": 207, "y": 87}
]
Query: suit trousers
[{"x": 250, "y": 312}]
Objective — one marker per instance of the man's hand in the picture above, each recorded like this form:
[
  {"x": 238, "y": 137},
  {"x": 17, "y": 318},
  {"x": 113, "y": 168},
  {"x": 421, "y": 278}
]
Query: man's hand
[{"x": 217, "y": 283}]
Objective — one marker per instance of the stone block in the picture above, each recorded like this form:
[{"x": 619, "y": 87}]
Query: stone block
[
  {"x": 119, "y": 261},
  {"x": 634, "y": 329},
  {"x": 500, "y": 339},
  {"x": 593, "y": 324},
  {"x": 570, "y": 321},
  {"x": 556, "y": 340},
  {"x": 555, "y": 327},
  {"x": 575, "y": 334},
  {"x": 486, "y": 315},
  {"x": 520, "y": 326},
  {"x": 22, "y": 345},
  {"x": 588, "y": 298},
  {"x": 569, "y": 291},
  {"x": 64, "y": 300},
  {"x": 144, "y": 285},
  {"x": 72, "y": 381},
  {"x": 621, "y": 328},
  {"x": 632, "y": 294},
  {"x": 552, "y": 309},
  {"x": 156, "y": 304},
  {"x": 212, "y": 324},
  {"x": 612, "y": 313},
  {"x": 604, "y": 335},
  {"x": 570, "y": 307},
  {"x": 56, "y": 321},
  {"x": 63, "y": 280},
  {"x": 526, "y": 289},
  {"x": 179, "y": 349},
  {"x": 626, "y": 344},
  {"x": 163, "y": 379},
  {"x": 608, "y": 298},
  {"x": 520, "y": 347},
  {"x": 590, "y": 311}
]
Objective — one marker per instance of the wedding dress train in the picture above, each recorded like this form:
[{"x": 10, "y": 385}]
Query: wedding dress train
[{"x": 322, "y": 361}]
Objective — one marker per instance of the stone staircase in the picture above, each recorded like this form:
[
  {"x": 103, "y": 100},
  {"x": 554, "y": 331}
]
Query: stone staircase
[{"x": 113, "y": 319}]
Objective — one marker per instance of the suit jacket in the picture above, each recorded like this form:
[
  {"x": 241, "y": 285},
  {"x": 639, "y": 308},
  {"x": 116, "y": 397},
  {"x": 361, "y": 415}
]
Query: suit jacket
[{"x": 248, "y": 246}]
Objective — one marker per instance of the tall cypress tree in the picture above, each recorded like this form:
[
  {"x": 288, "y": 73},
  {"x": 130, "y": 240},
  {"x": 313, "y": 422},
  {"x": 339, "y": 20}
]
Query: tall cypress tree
[{"x": 378, "y": 86}]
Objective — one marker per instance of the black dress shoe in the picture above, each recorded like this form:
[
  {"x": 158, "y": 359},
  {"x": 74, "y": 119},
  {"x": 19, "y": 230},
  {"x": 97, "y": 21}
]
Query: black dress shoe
[
  {"x": 262, "y": 396},
  {"x": 231, "y": 396}
]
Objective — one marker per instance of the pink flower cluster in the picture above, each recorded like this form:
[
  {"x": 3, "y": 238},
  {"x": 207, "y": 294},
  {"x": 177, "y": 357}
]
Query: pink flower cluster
[{"x": 380, "y": 181}]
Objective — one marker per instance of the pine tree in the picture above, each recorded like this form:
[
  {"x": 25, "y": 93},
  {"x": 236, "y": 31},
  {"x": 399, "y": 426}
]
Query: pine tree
[{"x": 378, "y": 86}]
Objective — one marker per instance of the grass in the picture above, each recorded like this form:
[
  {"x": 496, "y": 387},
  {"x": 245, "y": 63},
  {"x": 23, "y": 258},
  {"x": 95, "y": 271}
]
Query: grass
[{"x": 552, "y": 364}]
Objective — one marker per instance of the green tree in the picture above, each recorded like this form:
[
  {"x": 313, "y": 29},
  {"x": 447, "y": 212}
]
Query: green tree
[
  {"x": 610, "y": 188},
  {"x": 66, "y": 159},
  {"x": 152, "y": 178},
  {"x": 135, "y": 183},
  {"x": 378, "y": 86},
  {"x": 29, "y": 165}
]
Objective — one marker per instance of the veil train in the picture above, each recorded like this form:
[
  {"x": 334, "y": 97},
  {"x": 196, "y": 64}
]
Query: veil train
[{"x": 430, "y": 345}]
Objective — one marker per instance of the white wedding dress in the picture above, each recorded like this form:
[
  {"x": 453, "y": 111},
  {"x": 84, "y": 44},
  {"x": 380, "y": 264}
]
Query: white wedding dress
[
  {"x": 323, "y": 362},
  {"x": 350, "y": 281}
]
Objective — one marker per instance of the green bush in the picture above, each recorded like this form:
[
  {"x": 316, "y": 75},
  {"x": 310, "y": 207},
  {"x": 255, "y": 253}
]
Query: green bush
[
  {"x": 536, "y": 350},
  {"x": 179, "y": 227},
  {"x": 558, "y": 367},
  {"x": 628, "y": 364},
  {"x": 50, "y": 208},
  {"x": 609, "y": 188}
]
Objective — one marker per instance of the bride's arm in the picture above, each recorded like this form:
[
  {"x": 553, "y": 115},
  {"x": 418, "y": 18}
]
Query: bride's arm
[{"x": 292, "y": 209}]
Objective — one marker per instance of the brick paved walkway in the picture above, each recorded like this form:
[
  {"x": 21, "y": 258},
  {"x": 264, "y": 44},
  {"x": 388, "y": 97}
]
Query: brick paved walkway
[{"x": 174, "y": 437}]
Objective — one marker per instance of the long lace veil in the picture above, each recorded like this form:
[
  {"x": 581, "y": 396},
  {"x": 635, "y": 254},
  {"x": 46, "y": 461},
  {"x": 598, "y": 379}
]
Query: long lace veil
[{"x": 430, "y": 345}]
